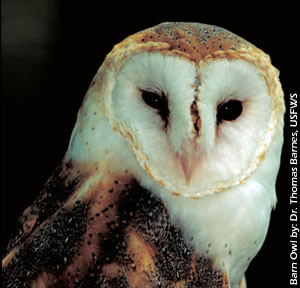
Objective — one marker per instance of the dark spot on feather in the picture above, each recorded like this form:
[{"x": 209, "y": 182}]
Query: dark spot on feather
[{"x": 104, "y": 210}]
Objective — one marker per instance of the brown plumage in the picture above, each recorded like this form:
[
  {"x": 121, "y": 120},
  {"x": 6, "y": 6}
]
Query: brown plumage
[{"x": 116, "y": 235}]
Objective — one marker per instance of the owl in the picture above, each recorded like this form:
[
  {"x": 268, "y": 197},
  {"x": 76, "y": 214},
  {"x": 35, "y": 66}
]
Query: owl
[{"x": 169, "y": 177}]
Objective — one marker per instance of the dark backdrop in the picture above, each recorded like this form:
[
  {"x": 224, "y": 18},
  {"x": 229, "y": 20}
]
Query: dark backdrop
[{"x": 50, "y": 52}]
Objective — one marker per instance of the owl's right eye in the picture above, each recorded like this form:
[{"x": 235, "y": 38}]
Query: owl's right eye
[
  {"x": 157, "y": 102},
  {"x": 153, "y": 100}
]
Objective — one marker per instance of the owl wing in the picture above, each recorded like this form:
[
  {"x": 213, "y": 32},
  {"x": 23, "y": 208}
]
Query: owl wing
[{"x": 115, "y": 234}]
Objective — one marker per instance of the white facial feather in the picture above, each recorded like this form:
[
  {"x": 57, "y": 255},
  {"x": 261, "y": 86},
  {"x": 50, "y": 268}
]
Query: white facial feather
[
  {"x": 162, "y": 74},
  {"x": 222, "y": 81}
]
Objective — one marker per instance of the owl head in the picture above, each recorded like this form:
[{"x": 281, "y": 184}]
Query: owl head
[{"x": 190, "y": 108}]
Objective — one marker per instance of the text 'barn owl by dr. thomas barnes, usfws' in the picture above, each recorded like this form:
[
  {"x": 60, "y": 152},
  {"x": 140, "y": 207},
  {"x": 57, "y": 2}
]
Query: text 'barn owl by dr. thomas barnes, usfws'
[{"x": 169, "y": 177}]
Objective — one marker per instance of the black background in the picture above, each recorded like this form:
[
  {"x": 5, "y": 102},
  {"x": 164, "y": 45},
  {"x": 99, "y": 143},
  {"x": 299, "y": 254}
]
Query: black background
[{"x": 50, "y": 52}]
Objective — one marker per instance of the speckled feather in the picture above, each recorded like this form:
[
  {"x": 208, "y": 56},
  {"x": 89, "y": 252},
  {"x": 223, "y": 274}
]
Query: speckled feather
[
  {"x": 117, "y": 235},
  {"x": 193, "y": 39}
]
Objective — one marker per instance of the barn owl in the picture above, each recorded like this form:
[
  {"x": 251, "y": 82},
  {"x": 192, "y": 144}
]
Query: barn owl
[{"x": 169, "y": 177}]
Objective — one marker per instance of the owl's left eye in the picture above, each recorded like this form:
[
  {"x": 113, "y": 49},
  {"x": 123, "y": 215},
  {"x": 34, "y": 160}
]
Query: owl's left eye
[
  {"x": 229, "y": 111},
  {"x": 157, "y": 102}
]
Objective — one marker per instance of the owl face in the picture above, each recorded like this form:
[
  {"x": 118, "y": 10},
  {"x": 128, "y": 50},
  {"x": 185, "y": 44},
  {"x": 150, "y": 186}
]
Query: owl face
[
  {"x": 194, "y": 109},
  {"x": 195, "y": 126}
]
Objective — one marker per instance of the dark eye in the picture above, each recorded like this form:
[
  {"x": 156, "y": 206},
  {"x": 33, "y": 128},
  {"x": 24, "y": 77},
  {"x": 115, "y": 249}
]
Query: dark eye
[
  {"x": 153, "y": 100},
  {"x": 229, "y": 111},
  {"x": 158, "y": 102}
]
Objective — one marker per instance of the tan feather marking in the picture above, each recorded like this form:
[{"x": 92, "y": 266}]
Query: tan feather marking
[
  {"x": 220, "y": 189},
  {"x": 112, "y": 270},
  {"x": 142, "y": 254},
  {"x": 242, "y": 283},
  {"x": 9, "y": 256},
  {"x": 261, "y": 158},
  {"x": 194, "y": 273},
  {"x": 225, "y": 283},
  {"x": 29, "y": 225},
  {"x": 193, "y": 270},
  {"x": 43, "y": 281},
  {"x": 161, "y": 183},
  {"x": 132, "y": 141},
  {"x": 179, "y": 284},
  {"x": 176, "y": 193},
  {"x": 148, "y": 171}
]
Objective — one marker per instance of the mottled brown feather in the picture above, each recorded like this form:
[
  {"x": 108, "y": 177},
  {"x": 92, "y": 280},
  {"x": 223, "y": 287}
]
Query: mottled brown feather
[{"x": 120, "y": 236}]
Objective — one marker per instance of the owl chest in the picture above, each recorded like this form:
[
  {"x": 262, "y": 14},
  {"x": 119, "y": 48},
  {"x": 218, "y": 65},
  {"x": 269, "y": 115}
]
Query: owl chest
[
  {"x": 227, "y": 238},
  {"x": 227, "y": 232}
]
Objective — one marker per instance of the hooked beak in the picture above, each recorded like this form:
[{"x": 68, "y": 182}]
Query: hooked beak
[{"x": 188, "y": 159}]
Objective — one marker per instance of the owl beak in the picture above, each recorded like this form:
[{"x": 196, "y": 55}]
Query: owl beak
[{"x": 188, "y": 160}]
